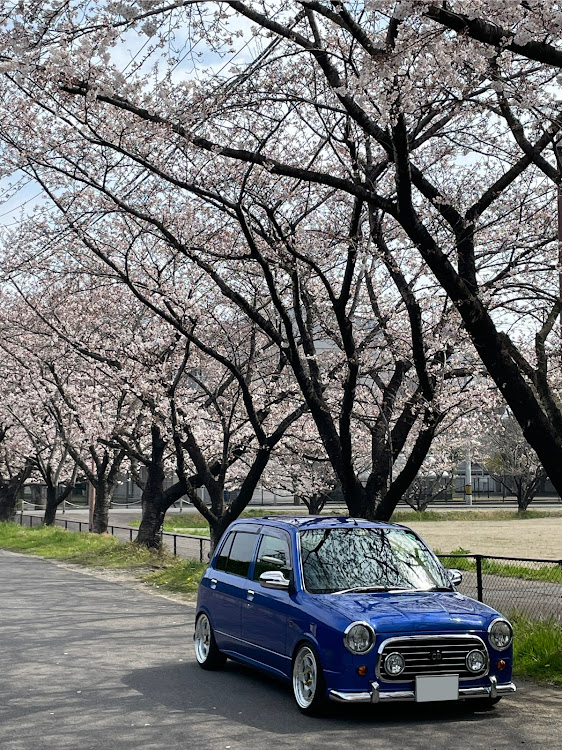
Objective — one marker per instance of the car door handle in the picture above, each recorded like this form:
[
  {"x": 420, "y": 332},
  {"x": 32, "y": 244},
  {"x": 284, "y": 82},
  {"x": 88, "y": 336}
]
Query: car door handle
[
  {"x": 250, "y": 595},
  {"x": 214, "y": 583}
]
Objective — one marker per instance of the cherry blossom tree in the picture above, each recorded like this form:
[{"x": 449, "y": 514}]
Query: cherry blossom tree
[
  {"x": 210, "y": 403},
  {"x": 433, "y": 146},
  {"x": 511, "y": 462}
]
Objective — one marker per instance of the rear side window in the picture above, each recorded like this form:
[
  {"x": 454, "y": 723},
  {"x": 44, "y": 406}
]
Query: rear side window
[
  {"x": 224, "y": 553},
  {"x": 241, "y": 553}
]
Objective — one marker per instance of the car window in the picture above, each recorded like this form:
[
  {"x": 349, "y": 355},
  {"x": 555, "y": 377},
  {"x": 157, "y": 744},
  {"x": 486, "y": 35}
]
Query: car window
[
  {"x": 341, "y": 559},
  {"x": 224, "y": 553},
  {"x": 273, "y": 554},
  {"x": 241, "y": 553}
]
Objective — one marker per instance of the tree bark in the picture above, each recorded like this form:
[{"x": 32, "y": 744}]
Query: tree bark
[
  {"x": 9, "y": 489},
  {"x": 8, "y": 500},
  {"x": 54, "y": 499}
]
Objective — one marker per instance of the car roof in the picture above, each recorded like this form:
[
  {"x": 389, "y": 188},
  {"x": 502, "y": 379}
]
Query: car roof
[{"x": 316, "y": 522}]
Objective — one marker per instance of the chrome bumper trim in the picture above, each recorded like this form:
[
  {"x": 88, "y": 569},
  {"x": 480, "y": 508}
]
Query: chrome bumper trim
[{"x": 375, "y": 695}]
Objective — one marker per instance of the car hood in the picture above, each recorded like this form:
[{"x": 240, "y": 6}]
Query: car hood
[{"x": 426, "y": 611}]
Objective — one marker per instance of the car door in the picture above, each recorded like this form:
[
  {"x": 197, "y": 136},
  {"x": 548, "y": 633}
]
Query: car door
[
  {"x": 265, "y": 611},
  {"x": 229, "y": 585}
]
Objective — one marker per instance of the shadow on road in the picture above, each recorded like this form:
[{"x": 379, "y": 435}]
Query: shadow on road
[{"x": 251, "y": 699}]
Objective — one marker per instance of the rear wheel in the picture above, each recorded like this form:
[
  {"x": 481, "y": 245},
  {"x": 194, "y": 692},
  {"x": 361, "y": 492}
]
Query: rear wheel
[
  {"x": 206, "y": 650},
  {"x": 309, "y": 685}
]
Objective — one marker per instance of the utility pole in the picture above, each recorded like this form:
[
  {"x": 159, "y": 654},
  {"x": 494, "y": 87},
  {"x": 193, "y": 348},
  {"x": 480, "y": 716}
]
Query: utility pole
[{"x": 468, "y": 478}]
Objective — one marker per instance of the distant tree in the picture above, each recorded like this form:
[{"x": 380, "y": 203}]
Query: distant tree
[{"x": 511, "y": 461}]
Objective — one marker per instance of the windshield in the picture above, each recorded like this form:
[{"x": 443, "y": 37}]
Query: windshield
[{"x": 337, "y": 560}]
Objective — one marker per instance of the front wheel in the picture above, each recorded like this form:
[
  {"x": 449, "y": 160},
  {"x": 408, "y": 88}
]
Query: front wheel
[
  {"x": 309, "y": 685},
  {"x": 206, "y": 650}
]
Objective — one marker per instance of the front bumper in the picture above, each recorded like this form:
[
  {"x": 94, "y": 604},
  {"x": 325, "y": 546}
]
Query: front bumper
[{"x": 376, "y": 695}]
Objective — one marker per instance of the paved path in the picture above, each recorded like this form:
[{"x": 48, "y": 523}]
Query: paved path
[{"x": 88, "y": 664}]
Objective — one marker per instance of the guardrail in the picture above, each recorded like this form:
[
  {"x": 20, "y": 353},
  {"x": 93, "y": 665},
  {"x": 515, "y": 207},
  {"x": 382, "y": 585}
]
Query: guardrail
[{"x": 189, "y": 546}]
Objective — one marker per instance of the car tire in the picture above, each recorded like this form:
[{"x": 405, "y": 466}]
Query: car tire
[
  {"x": 206, "y": 650},
  {"x": 309, "y": 685}
]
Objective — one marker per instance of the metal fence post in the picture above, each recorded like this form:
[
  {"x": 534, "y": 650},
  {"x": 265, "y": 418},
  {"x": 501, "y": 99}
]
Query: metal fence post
[{"x": 479, "y": 587}]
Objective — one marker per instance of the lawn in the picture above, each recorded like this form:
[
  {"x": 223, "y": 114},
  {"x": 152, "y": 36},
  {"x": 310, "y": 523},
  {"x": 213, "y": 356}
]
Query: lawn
[{"x": 102, "y": 551}]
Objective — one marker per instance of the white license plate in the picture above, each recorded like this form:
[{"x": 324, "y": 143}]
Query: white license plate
[{"x": 438, "y": 688}]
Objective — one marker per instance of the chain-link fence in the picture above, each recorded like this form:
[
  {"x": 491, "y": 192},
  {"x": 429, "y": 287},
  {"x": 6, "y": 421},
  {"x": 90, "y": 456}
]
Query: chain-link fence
[{"x": 511, "y": 585}]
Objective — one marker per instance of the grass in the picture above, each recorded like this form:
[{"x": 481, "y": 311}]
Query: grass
[
  {"x": 537, "y": 649},
  {"x": 411, "y": 516},
  {"x": 537, "y": 644},
  {"x": 550, "y": 573},
  {"x": 94, "y": 550}
]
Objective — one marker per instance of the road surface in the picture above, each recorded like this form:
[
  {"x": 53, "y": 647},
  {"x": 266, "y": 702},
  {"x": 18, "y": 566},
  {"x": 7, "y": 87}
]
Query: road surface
[{"x": 89, "y": 664}]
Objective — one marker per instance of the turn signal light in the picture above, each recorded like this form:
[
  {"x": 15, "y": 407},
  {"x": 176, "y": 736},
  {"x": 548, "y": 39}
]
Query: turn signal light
[
  {"x": 501, "y": 664},
  {"x": 362, "y": 670}
]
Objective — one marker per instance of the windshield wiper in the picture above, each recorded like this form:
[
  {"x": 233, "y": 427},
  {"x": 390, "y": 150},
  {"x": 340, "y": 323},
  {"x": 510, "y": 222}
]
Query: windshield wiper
[
  {"x": 438, "y": 588},
  {"x": 367, "y": 589}
]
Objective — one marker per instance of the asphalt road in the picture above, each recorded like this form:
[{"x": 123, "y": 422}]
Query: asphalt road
[{"x": 88, "y": 664}]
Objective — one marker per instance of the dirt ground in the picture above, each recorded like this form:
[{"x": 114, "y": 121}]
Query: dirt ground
[{"x": 539, "y": 538}]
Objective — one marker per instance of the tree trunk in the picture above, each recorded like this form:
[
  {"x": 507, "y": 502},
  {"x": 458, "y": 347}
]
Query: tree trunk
[
  {"x": 104, "y": 493},
  {"x": 8, "y": 500},
  {"x": 54, "y": 498},
  {"x": 216, "y": 530},
  {"x": 155, "y": 500},
  {"x": 9, "y": 493},
  {"x": 51, "y": 507}
]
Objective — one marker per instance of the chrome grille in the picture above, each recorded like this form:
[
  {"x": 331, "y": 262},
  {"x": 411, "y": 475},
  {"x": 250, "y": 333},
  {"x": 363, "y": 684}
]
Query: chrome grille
[{"x": 431, "y": 655}]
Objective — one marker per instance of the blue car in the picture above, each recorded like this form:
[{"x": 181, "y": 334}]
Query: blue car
[{"x": 348, "y": 610}]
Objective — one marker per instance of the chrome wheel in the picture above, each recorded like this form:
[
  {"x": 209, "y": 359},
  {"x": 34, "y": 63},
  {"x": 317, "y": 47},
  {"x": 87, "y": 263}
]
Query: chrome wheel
[
  {"x": 206, "y": 650},
  {"x": 202, "y": 639},
  {"x": 305, "y": 677}
]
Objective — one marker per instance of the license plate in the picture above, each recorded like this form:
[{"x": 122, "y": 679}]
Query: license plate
[{"x": 438, "y": 688}]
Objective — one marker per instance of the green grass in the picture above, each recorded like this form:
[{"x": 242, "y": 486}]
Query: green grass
[
  {"x": 95, "y": 550},
  {"x": 411, "y": 516},
  {"x": 537, "y": 649},
  {"x": 550, "y": 573}
]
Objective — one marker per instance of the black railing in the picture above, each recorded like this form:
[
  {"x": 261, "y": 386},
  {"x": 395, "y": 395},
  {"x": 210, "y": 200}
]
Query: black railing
[{"x": 522, "y": 585}]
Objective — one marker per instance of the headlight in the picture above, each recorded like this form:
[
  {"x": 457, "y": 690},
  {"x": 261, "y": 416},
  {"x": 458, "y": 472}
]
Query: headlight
[
  {"x": 394, "y": 664},
  {"x": 359, "y": 638},
  {"x": 500, "y": 634},
  {"x": 476, "y": 661}
]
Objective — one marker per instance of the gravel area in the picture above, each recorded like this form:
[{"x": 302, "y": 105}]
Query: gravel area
[{"x": 538, "y": 538}]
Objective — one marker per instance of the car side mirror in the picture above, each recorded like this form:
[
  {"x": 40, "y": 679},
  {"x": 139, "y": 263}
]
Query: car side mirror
[
  {"x": 454, "y": 575},
  {"x": 274, "y": 579}
]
